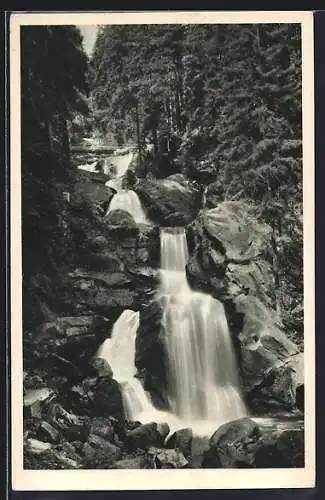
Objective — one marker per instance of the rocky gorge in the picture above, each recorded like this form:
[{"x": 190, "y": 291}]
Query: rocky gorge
[{"x": 72, "y": 419}]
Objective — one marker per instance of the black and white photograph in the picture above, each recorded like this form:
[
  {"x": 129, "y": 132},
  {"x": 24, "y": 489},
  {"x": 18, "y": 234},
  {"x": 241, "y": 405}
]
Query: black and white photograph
[{"x": 160, "y": 185}]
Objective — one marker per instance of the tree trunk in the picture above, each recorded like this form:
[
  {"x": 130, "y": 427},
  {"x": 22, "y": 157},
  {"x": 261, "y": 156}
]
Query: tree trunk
[
  {"x": 137, "y": 123},
  {"x": 155, "y": 142},
  {"x": 178, "y": 109}
]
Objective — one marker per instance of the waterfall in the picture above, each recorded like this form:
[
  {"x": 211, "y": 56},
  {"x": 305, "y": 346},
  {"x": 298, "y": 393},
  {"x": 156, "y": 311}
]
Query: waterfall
[
  {"x": 119, "y": 352},
  {"x": 203, "y": 387},
  {"x": 128, "y": 201},
  {"x": 204, "y": 197},
  {"x": 202, "y": 369},
  {"x": 89, "y": 167},
  {"x": 124, "y": 199}
]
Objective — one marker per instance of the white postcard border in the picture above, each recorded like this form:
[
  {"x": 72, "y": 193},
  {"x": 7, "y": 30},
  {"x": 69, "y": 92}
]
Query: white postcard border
[{"x": 161, "y": 479}]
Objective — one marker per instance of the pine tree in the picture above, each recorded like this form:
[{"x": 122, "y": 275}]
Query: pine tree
[{"x": 53, "y": 86}]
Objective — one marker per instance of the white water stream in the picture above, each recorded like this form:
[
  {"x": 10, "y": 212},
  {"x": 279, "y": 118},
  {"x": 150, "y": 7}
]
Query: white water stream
[
  {"x": 124, "y": 199},
  {"x": 202, "y": 371},
  {"x": 203, "y": 387}
]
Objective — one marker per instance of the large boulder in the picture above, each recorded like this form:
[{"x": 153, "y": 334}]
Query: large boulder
[
  {"x": 230, "y": 259},
  {"x": 120, "y": 219},
  {"x": 70, "y": 426},
  {"x": 234, "y": 230},
  {"x": 228, "y": 255},
  {"x": 173, "y": 201},
  {"x": 281, "y": 450},
  {"x": 234, "y": 445},
  {"x": 272, "y": 366},
  {"x": 145, "y": 436},
  {"x": 99, "y": 453},
  {"x": 244, "y": 444},
  {"x": 168, "y": 459},
  {"x": 46, "y": 432},
  {"x": 97, "y": 194},
  {"x": 36, "y": 400},
  {"x": 108, "y": 399},
  {"x": 102, "y": 427},
  {"x": 37, "y": 447},
  {"x": 52, "y": 336},
  {"x": 41, "y": 455},
  {"x": 181, "y": 440},
  {"x": 291, "y": 445}
]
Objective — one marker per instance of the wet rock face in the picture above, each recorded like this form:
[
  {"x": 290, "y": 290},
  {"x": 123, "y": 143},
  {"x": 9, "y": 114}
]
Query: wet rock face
[
  {"x": 109, "y": 242},
  {"x": 229, "y": 258},
  {"x": 173, "y": 201},
  {"x": 150, "y": 351},
  {"x": 112, "y": 280}
]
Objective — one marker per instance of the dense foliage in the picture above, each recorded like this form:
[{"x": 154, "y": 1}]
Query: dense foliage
[
  {"x": 53, "y": 88},
  {"x": 221, "y": 103}
]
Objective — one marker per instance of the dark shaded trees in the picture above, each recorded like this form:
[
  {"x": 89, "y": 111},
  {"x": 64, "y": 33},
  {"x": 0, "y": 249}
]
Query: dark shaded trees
[{"x": 53, "y": 88}]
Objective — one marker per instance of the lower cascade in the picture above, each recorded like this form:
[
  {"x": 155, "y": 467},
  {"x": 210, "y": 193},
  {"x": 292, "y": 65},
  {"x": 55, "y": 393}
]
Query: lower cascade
[
  {"x": 202, "y": 370},
  {"x": 203, "y": 388},
  {"x": 119, "y": 352}
]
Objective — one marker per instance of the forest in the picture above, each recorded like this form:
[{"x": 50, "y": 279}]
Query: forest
[
  {"x": 221, "y": 104},
  {"x": 217, "y": 108}
]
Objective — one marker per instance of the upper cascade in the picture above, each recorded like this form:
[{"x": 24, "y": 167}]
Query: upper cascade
[{"x": 125, "y": 199}]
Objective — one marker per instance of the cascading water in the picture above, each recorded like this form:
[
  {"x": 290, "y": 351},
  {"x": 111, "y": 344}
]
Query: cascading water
[
  {"x": 128, "y": 201},
  {"x": 202, "y": 373},
  {"x": 119, "y": 351},
  {"x": 124, "y": 199},
  {"x": 89, "y": 167},
  {"x": 202, "y": 379},
  {"x": 121, "y": 164}
]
